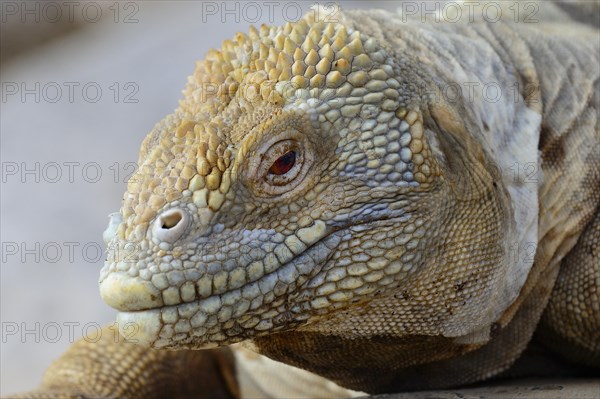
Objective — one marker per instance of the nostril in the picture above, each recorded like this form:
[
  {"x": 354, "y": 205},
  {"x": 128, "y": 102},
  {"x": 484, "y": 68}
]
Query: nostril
[
  {"x": 171, "y": 225},
  {"x": 171, "y": 220}
]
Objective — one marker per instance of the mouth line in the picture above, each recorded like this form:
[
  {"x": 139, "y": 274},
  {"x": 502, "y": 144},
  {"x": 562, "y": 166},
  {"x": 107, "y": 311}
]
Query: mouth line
[{"x": 284, "y": 269}]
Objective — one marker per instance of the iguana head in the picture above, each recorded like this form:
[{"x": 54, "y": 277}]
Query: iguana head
[{"x": 302, "y": 175}]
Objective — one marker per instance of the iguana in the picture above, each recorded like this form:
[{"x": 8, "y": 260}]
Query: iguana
[{"x": 368, "y": 204}]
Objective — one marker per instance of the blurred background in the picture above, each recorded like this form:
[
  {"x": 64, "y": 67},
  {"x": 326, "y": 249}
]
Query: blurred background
[{"x": 82, "y": 83}]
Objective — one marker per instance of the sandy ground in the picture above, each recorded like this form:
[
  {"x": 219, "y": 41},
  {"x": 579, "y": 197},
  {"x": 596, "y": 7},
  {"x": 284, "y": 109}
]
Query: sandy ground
[{"x": 67, "y": 151}]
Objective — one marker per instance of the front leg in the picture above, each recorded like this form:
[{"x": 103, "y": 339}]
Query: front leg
[{"x": 112, "y": 368}]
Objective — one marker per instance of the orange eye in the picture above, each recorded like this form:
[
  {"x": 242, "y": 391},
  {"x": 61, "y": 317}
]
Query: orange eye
[{"x": 283, "y": 164}]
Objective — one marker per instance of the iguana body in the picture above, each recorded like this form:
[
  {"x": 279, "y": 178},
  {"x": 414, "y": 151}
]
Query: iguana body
[{"x": 344, "y": 197}]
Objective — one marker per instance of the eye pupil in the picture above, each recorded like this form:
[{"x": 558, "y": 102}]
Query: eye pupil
[{"x": 283, "y": 164}]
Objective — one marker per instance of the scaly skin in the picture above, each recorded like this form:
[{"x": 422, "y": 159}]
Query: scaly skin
[{"x": 394, "y": 253}]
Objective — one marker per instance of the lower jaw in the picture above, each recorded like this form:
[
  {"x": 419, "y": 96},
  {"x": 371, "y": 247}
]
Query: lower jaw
[{"x": 247, "y": 312}]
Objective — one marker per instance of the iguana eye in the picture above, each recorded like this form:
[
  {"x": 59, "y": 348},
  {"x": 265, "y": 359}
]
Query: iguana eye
[
  {"x": 283, "y": 164},
  {"x": 280, "y": 165}
]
